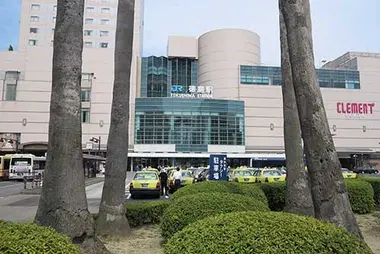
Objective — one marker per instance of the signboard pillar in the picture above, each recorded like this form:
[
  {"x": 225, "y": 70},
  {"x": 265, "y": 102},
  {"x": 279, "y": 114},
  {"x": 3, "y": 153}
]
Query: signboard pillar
[{"x": 218, "y": 167}]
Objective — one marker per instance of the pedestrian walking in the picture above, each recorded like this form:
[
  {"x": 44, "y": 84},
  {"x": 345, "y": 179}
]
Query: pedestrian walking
[
  {"x": 164, "y": 183},
  {"x": 177, "y": 179}
]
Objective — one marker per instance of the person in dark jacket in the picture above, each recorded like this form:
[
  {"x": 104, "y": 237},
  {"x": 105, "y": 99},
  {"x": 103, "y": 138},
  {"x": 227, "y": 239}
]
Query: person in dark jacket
[{"x": 164, "y": 183}]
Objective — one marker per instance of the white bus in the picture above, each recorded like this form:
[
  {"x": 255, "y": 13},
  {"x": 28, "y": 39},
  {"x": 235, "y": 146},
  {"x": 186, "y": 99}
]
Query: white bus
[{"x": 26, "y": 165}]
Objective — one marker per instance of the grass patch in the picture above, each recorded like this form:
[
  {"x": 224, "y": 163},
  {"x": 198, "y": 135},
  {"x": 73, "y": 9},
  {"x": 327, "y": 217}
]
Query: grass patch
[{"x": 143, "y": 240}]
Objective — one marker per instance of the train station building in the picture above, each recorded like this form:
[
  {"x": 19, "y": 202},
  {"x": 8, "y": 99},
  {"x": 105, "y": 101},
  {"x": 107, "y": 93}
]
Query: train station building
[{"x": 210, "y": 94}]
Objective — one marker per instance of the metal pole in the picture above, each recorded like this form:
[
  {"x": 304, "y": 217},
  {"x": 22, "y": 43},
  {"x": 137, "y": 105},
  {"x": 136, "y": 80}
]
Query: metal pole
[{"x": 100, "y": 141}]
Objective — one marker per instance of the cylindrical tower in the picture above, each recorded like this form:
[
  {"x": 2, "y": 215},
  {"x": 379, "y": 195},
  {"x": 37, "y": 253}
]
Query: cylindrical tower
[{"x": 220, "y": 53}]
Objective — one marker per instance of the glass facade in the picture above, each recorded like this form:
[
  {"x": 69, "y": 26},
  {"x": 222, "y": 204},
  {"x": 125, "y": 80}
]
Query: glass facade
[
  {"x": 154, "y": 77},
  {"x": 190, "y": 124},
  {"x": 263, "y": 75},
  {"x": 160, "y": 74}
]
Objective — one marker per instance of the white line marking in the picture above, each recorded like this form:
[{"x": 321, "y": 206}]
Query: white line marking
[
  {"x": 7, "y": 186},
  {"x": 129, "y": 196}
]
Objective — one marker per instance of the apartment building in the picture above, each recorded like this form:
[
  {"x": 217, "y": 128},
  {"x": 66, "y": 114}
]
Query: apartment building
[{"x": 26, "y": 74}]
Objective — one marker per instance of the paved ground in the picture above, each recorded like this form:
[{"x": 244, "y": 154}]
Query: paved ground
[{"x": 22, "y": 207}]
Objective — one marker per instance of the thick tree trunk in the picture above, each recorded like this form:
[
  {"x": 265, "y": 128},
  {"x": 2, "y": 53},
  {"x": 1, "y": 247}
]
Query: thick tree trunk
[
  {"x": 63, "y": 203},
  {"x": 330, "y": 197},
  {"x": 298, "y": 198},
  {"x": 112, "y": 219}
]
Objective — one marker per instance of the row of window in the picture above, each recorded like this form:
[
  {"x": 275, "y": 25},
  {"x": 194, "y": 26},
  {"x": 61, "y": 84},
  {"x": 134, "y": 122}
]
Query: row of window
[
  {"x": 263, "y": 75},
  {"x": 87, "y": 44},
  {"x": 37, "y": 7},
  {"x": 102, "y": 33},
  {"x": 87, "y": 21}
]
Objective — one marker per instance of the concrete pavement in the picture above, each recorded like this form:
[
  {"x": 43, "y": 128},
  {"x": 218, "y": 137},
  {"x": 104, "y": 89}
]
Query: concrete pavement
[{"x": 20, "y": 207}]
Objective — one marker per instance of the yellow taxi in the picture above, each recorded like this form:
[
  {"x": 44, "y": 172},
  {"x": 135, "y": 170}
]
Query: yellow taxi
[
  {"x": 348, "y": 174},
  {"x": 145, "y": 183},
  {"x": 151, "y": 169},
  {"x": 269, "y": 175},
  {"x": 187, "y": 179},
  {"x": 243, "y": 175}
]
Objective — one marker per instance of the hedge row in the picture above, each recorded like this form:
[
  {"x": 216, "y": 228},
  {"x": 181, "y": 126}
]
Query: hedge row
[
  {"x": 360, "y": 193},
  {"x": 252, "y": 190},
  {"x": 375, "y": 183},
  {"x": 263, "y": 232},
  {"x": 29, "y": 238},
  {"x": 190, "y": 208},
  {"x": 142, "y": 213}
]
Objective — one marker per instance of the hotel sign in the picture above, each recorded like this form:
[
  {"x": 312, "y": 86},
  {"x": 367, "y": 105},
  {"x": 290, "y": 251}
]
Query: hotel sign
[
  {"x": 179, "y": 91},
  {"x": 355, "y": 108}
]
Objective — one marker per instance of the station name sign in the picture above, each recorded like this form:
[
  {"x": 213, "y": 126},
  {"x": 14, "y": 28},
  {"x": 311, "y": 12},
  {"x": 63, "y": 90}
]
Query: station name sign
[
  {"x": 179, "y": 91},
  {"x": 360, "y": 108}
]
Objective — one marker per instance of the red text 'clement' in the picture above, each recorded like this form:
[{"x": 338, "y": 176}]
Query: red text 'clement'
[{"x": 355, "y": 108}]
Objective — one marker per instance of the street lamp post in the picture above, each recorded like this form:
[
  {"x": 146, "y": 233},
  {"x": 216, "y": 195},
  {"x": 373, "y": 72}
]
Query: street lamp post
[{"x": 97, "y": 140}]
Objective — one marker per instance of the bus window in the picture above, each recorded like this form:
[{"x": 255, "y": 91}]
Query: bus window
[{"x": 21, "y": 161}]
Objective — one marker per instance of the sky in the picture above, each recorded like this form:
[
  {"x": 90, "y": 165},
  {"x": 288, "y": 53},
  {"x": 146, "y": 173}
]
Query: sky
[{"x": 338, "y": 25}]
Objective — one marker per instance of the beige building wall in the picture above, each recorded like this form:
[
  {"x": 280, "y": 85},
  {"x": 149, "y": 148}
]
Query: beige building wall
[
  {"x": 220, "y": 52},
  {"x": 183, "y": 46},
  {"x": 34, "y": 62}
]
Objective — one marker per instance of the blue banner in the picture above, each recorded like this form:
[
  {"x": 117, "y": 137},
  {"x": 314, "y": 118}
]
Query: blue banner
[{"x": 218, "y": 167}]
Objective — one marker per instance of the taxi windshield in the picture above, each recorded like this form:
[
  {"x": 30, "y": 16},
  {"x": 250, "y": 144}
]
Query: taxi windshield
[
  {"x": 272, "y": 173},
  {"x": 145, "y": 176},
  {"x": 243, "y": 173},
  {"x": 186, "y": 174},
  {"x": 344, "y": 170}
]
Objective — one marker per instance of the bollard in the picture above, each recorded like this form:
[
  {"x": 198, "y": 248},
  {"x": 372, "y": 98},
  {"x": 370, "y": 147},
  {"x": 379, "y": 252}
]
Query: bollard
[{"x": 24, "y": 180}]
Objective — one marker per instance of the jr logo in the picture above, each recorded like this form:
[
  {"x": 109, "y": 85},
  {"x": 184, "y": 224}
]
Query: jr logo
[{"x": 177, "y": 89}]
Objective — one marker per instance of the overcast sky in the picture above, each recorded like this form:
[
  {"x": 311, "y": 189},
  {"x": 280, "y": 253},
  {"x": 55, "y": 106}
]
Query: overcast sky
[{"x": 338, "y": 25}]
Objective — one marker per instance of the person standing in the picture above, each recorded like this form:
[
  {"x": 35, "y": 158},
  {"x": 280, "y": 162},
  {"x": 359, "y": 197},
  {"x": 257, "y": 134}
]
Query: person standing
[
  {"x": 177, "y": 179},
  {"x": 164, "y": 183}
]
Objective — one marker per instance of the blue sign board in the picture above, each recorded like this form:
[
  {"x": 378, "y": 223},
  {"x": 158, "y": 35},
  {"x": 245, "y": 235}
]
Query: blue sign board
[
  {"x": 177, "y": 89},
  {"x": 218, "y": 167}
]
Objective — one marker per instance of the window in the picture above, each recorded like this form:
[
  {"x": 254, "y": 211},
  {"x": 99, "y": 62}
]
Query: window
[
  {"x": 54, "y": 8},
  {"x": 54, "y": 19},
  {"x": 89, "y": 21},
  {"x": 105, "y": 10},
  {"x": 32, "y": 42},
  {"x": 87, "y": 76},
  {"x": 33, "y": 30},
  {"x": 53, "y": 30},
  {"x": 85, "y": 95},
  {"x": 105, "y": 1},
  {"x": 34, "y": 18},
  {"x": 90, "y": 9},
  {"x": 104, "y": 33},
  {"x": 85, "y": 115},
  {"x": 11, "y": 92},
  {"x": 104, "y": 45},
  {"x": 105, "y": 22},
  {"x": 88, "y": 44},
  {"x": 88, "y": 32},
  {"x": 35, "y": 7}
]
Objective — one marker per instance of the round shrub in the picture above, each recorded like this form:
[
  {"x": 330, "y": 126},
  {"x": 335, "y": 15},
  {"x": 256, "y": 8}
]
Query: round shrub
[
  {"x": 29, "y": 238},
  {"x": 206, "y": 186},
  {"x": 251, "y": 190},
  {"x": 190, "y": 208},
  {"x": 263, "y": 232},
  {"x": 361, "y": 196},
  {"x": 375, "y": 182},
  {"x": 275, "y": 193},
  {"x": 142, "y": 213}
]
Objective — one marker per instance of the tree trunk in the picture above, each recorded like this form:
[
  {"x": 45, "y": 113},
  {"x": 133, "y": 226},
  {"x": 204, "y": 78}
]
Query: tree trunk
[
  {"x": 298, "y": 198},
  {"x": 330, "y": 197},
  {"x": 112, "y": 219},
  {"x": 63, "y": 203}
]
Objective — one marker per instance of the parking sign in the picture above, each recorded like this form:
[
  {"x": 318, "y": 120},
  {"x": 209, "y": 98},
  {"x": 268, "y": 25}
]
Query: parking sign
[{"x": 218, "y": 167}]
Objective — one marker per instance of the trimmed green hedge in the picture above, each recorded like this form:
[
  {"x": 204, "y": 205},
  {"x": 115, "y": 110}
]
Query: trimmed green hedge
[
  {"x": 252, "y": 190},
  {"x": 29, "y": 238},
  {"x": 190, "y": 208},
  {"x": 263, "y": 232},
  {"x": 375, "y": 183},
  {"x": 360, "y": 194},
  {"x": 205, "y": 186},
  {"x": 142, "y": 213},
  {"x": 275, "y": 193}
]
